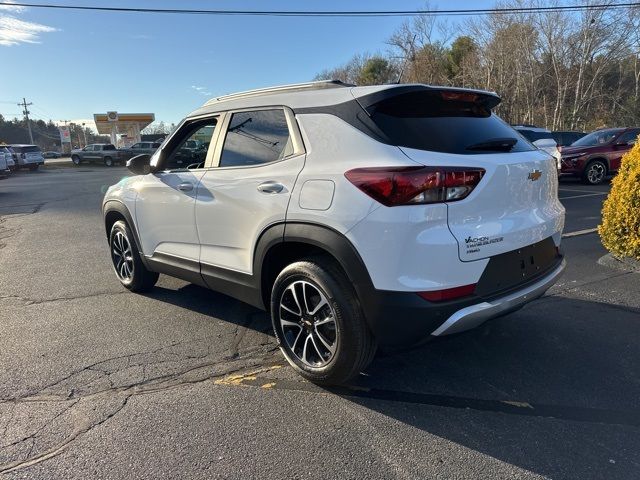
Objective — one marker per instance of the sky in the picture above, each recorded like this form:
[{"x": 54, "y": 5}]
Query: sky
[{"x": 72, "y": 64}]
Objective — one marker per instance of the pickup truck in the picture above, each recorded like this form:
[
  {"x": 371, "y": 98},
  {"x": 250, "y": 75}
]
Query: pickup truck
[
  {"x": 138, "y": 149},
  {"x": 105, "y": 153}
]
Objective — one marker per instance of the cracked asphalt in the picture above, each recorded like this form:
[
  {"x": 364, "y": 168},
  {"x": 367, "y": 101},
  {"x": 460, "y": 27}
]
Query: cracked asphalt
[{"x": 96, "y": 382}]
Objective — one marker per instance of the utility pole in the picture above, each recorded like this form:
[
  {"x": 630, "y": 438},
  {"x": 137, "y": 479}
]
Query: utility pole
[{"x": 24, "y": 104}]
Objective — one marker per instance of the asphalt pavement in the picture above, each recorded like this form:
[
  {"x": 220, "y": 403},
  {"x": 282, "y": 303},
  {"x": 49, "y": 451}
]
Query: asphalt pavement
[{"x": 182, "y": 382}]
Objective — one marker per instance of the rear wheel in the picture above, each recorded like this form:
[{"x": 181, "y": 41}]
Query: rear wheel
[
  {"x": 595, "y": 172},
  {"x": 75, "y": 159},
  {"x": 318, "y": 322},
  {"x": 108, "y": 161},
  {"x": 126, "y": 260}
]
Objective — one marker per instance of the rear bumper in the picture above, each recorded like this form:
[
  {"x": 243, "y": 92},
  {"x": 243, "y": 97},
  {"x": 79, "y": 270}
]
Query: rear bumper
[
  {"x": 474, "y": 315},
  {"x": 404, "y": 318}
]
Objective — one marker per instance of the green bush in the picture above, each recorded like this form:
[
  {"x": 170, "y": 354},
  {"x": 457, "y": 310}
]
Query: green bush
[{"x": 620, "y": 228}]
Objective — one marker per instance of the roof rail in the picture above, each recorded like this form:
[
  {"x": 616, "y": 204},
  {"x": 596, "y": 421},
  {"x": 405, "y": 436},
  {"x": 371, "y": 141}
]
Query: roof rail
[{"x": 283, "y": 88}]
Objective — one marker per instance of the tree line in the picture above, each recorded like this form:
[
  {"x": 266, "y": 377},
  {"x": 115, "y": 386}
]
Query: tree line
[
  {"x": 45, "y": 134},
  {"x": 557, "y": 69}
]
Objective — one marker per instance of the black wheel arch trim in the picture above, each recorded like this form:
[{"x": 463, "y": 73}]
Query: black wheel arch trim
[
  {"x": 121, "y": 208},
  {"x": 327, "y": 239}
]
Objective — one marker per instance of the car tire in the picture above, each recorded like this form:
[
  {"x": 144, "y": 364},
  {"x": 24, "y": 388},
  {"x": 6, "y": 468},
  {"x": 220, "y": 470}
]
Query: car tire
[
  {"x": 108, "y": 162},
  {"x": 33, "y": 167},
  {"x": 318, "y": 322},
  {"x": 594, "y": 173},
  {"x": 75, "y": 159},
  {"x": 126, "y": 260}
]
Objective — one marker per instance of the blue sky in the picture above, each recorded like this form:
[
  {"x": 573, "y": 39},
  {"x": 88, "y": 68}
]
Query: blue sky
[{"x": 87, "y": 62}]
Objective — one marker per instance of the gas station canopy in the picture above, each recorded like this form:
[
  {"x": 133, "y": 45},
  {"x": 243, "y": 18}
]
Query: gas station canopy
[{"x": 129, "y": 124}]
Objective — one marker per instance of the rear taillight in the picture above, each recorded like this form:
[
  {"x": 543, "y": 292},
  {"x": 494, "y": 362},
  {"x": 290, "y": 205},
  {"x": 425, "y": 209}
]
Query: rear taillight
[
  {"x": 393, "y": 186},
  {"x": 449, "y": 293}
]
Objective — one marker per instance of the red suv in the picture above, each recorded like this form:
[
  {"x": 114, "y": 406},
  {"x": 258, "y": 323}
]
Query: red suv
[{"x": 598, "y": 154}]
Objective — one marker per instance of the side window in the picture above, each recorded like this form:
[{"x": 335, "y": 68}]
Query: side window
[
  {"x": 628, "y": 138},
  {"x": 190, "y": 149},
  {"x": 256, "y": 137},
  {"x": 88, "y": 148},
  {"x": 136, "y": 145}
]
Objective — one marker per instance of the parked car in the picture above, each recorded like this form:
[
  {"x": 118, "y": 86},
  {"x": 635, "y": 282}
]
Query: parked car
[
  {"x": 564, "y": 139},
  {"x": 27, "y": 156},
  {"x": 51, "y": 154},
  {"x": 105, "y": 153},
  {"x": 8, "y": 156},
  {"x": 4, "y": 163},
  {"x": 408, "y": 211},
  {"x": 138, "y": 149},
  {"x": 597, "y": 155},
  {"x": 540, "y": 138}
]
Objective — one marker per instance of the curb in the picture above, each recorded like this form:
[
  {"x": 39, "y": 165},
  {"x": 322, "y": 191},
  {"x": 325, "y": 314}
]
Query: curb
[{"x": 620, "y": 263}]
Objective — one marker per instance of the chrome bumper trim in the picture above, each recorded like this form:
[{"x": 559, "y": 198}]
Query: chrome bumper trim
[{"x": 475, "y": 315}]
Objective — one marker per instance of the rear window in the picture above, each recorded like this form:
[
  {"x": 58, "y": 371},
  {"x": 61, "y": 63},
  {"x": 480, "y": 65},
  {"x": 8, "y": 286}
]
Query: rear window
[
  {"x": 533, "y": 136},
  {"x": 31, "y": 148},
  {"x": 109, "y": 147},
  {"x": 439, "y": 121}
]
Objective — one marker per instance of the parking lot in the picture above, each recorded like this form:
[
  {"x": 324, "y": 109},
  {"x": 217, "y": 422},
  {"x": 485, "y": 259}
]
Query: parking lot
[{"x": 186, "y": 383}]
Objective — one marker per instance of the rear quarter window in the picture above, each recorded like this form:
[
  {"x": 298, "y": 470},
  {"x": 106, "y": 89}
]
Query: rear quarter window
[{"x": 431, "y": 121}]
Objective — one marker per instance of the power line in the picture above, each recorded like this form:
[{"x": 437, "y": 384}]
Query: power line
[{"x": 333, "y": 13}]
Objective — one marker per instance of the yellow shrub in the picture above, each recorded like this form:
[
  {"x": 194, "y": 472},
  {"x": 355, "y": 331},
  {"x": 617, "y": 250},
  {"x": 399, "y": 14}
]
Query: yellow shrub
[{"x": 620, "y": 229}]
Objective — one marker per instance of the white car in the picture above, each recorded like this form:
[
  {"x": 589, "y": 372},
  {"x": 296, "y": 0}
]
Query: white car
[
  {"x": 8, "y": 156},
  {"x": 358, "y": 216},
  {"x": 541, "y": 138},
  {"x": 4, "y": 163},
  {"x": 28, "y": 156}
]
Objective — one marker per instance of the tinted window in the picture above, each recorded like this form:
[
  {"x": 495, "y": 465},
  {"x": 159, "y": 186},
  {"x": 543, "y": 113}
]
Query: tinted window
[
  {"x": 256, "y": 137},
  {"x": 191, "y": 149},
  {"x": 600, "y": 137},
  {"x": 533, "y": 136},
  {"x": 109, "y": 147},
  {"x": 439, "y": 122},
  {"x": 628, "y": 138}
]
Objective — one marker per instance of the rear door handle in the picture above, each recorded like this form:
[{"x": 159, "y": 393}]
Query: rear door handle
[
  {"x": 185, "y": 187},
  {"x": 270, "y": 187}
]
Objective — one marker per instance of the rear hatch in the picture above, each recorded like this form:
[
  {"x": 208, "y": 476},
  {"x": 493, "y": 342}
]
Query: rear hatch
[
  {"x": 30, "y": 154},
  {"x": 515, "y": 204}
]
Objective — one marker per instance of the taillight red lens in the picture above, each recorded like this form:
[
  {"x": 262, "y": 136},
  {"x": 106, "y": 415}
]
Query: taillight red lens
[
  {"x": 449, "y": 293},
  {"x": 393, "y": 186}
]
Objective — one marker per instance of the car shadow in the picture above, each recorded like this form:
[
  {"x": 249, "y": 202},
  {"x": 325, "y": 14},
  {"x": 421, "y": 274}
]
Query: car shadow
[
  {"x": 215, "y": 305},
  {"x": 553, "y": 388}
]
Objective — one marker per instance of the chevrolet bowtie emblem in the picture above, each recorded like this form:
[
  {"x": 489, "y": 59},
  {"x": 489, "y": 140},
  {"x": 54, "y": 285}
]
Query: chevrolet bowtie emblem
[{"x": 534, "y": 175}]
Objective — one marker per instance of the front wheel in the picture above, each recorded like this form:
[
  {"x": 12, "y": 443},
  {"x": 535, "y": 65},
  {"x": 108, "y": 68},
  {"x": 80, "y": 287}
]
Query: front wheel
[
  {"x": 126, "y": 260},
  {"x": 595, "y": 173},
  {"x": 75, "y": 159},
  {"x": 33, "y": 167},
  {"x": 108, "y": 162},
  {"x": 318, "y": 322}
]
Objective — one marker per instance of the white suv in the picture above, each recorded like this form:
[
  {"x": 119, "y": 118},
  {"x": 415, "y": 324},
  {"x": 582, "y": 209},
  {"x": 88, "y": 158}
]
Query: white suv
[{"x": 359, "y": 216}]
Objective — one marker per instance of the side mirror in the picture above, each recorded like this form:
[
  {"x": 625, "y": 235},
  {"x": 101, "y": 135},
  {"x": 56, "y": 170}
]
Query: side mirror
[{"x": 139, "y": 165}]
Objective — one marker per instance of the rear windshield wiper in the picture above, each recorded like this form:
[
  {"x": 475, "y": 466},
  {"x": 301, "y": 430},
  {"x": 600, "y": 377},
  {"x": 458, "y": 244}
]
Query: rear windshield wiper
[{"x": 495, "y": 145}]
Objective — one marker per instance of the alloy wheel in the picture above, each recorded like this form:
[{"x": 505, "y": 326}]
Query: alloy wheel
[
  {"x": 308, "y": 324},
  {"x": 122, "y": 256},
  {"x": 596, "y": 173}
]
